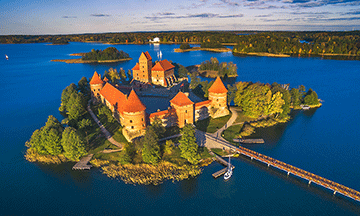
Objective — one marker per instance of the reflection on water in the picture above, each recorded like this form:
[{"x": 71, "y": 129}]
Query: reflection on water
[{"x": 188, "y": 187}]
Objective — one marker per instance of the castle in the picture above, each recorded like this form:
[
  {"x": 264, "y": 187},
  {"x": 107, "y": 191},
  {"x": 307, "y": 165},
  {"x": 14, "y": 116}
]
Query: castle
[
  {"x": 162, "y": 73},
  {"x": 130, "y": 112}
]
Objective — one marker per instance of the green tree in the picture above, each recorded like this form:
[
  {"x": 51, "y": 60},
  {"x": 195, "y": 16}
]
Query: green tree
[
  {"x": 295, "y": 97},
  {"x": 65, "y": 96},
  {"x": 188, "y": 146},
  {"x": 76, "y": 106},
  {"x": 151, "y": 148},
  {"x": 72, "y": 144},
  {"x": 169, "y": 147},
  {"x": 311, "y": 98},
  {"x": 83, "y": 86},
  {"x": 185, "y": 46},
  {"x": 127, "y": 154},
  {"x": 36, "y": 142},
  {"x": 276, "y": 103},
  {"x": 105, "y": 111},
  {"x": 51, "y": 139},
  {"x": 158, "y": 127},
  {"x": 231, "y": 93}
]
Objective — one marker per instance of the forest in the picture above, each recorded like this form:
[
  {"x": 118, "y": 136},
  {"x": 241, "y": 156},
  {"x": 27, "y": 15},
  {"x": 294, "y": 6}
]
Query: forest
[
  {"x": 110, "y": 53},
  {"x": 274, "y": 42}
]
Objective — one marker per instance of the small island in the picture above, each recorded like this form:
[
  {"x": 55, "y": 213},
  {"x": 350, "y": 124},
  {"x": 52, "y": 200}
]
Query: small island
[
  {"x": 110, "y": 54},
  {"x": 214, "y": 68}
]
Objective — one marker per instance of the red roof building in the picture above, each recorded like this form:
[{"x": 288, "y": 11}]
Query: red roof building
[
  {"x": 181, "y": 100},
  {"x": 96, "y": 79},
  {"x": 218, "y": 87},
  {"x": 133, "y": 103}
]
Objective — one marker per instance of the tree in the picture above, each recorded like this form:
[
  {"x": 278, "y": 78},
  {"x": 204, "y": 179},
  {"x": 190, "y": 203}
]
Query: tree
[
  {"x": 65, "y": 96},
  {"x": 127, "y": 154},
  {"x": 185, "y": 46},
  {"x": 83, "y": 86},
  {"x": 182, "y": 71},
  {"x": 76, "y": 106},
  {"x": 295, "y": 97},
  {"x": 151, "y": 148},
  {"x": 311, "y": 98},
  {"x": 231, "y": 93},
  {"x": 158, "y": 127},
  {"x": 72, "y": 144},
  {"x": 276, "y": 103},
  {"x": 104, "y": 110},
  {"x": 188, "y": 146},
  {"x": 169, "y": 147},
  {"x": 51, "y": 139},
  {"x": 113, "y": 75}
]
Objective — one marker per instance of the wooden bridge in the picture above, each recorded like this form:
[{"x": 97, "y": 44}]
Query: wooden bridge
[
  {"x": 310, "y": 177},
  {"x": 337, "y": 188}
]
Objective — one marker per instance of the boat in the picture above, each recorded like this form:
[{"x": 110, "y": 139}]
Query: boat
[
  {"x": 7, "y": 57},
  {"x": 228, "y": 173}
]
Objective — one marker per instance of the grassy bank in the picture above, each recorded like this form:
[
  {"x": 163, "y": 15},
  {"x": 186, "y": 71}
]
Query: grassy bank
[
  {"x": 204, "y": 49},
  {"x": 211, "y": 125}
]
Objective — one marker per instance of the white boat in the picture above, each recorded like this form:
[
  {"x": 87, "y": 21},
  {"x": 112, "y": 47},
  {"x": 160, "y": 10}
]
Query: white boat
[
  {"x": 228, "y": 173},
  {"x": 7, "y": 57}
]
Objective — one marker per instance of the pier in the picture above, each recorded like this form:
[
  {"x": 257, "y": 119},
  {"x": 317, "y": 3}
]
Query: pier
[
  {"x": 83, "y": 163},
  {"x": 336, "y": 188},
  {"x": 223, "y": 162},
  {"x": 249, "y": 141}
]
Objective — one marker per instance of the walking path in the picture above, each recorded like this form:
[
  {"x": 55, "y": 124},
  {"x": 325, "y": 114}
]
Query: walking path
[{"x": 103, "y": 129}]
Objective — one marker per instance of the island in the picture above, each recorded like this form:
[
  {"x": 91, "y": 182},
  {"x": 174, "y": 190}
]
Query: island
[
  {"x": 214, "y": 68},
  {"x": 110, "y": 54},
  {"x": 107, "y": 123},
  {"x": 212, "y": 47}
]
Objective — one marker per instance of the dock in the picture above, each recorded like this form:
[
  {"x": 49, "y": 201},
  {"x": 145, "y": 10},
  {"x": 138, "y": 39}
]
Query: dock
[
  {"x": 83, "y": 163},
  {"x": 222, "y": 162},
  {"x": 249, "y": 141}
]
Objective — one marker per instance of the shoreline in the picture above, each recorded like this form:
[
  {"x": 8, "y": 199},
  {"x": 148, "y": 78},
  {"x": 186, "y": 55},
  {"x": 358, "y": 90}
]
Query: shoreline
[
  {"x": 203, "y": 49},
  {"x": 80, "y": 61},
  {"x": 263, "y": 54}
]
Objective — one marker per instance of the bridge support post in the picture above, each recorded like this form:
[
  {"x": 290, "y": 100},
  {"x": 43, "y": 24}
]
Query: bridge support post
[
  {"x": 252, "y": 158},
  {"x": 334, "y": 192},
  {"x": 288, "y": 173},
  {"x": 268, "y": 165},
  {"x": 309, "y": 182}
]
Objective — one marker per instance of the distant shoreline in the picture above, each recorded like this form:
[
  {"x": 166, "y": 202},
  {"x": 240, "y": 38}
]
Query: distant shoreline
[
  {"x": 263, "y": 54},
  {"x": 203, "y": 49}
]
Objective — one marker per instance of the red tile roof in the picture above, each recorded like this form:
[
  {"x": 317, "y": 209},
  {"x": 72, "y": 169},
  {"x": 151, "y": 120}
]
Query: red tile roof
[
  {"x": 147, "y": 55},
  {"x": 181, "y": 100},
  {"x": 160, "y": 113},
  {"x": 163, "y": 65},
  {"x": 113, "y": 96},
  {"x": 96, "y": 79},
  {"x": 202, "y": 103},
  {"x": 136, "y": 67},
  {"x": 133, "y": 103},
  {"x": 218, "y": 87}
]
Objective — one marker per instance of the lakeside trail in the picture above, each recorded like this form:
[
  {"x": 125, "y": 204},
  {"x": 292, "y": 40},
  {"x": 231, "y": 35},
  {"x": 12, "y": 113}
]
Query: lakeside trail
[{"x": 103, "y": 129}]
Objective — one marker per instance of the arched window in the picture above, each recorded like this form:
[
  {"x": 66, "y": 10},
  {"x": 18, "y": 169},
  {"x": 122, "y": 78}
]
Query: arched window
[
  {"x": 132, "y": 127},
  {"x": 130, "y": 121}
]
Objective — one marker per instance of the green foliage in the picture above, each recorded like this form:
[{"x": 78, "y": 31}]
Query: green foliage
[
  {"x": 215, "y": 44},
  {"x": 84, "y": 123},
  {"x": 224, "y": 69},
  {"x": 231, "y": 93},
  {"x": 105, "y": 111},
  {"x": 151, "y": 148},
  {"x": 311, "y": 98},
  {"x": 180, "y": 70},
  {"x": 169, "y": 147},
  {"x": 295, "y": 97},
  {"x": 188, "y": 145},
  {"x": 65, "y": 96},
  {"x": 83, "y": 86},
  {"x": 76, "y": 106},
  {"x": 46, "y": 141},
  {"x": 185, "y": 46},
  {"x": 72, "y": 144},
  {"x": 110, "y": 53},
  {"x": 158, "y": 127},
  {"x": 127, "y": 154}
]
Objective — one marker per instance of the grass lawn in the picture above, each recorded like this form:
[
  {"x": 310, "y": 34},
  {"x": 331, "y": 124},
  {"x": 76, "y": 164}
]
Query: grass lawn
[
  {"x": 211, "y": 125},
  {"x": 109, "y": 156},
  {"x": 230, "y": 133},
  {"x": 219, "y": 151},
  {"x": 241, "y": 117}
]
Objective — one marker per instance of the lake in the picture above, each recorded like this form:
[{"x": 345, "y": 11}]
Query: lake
[{"x": 324, "y": 141}]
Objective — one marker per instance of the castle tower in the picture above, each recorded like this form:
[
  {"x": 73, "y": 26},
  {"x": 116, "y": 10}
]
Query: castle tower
[
  {"x": 218, "y": 98},
  {"x": 184, "y": 108},
  {"x": 133, "y": 117},
  {"x": 142, "y": 70},
  {"x": 96, "y": 84},
  {"x": 163, "y": 73}
]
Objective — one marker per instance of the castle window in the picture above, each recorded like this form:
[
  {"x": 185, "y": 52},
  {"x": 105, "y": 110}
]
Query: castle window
[
  {"x": 142, "y": 119},
  {"x": 143, "y": 66},
  {"x": 219, "y": 105},
  {"x": 130, "y": 121},
  {"x": 143, "y": 125},
  {"x": 98, "y": 89},
  {"x": 143, "y": 75},
  {"x": 132, "y": 127},
  {"x": 185, "y": 111},
  {"x": 217, "y": 99}
]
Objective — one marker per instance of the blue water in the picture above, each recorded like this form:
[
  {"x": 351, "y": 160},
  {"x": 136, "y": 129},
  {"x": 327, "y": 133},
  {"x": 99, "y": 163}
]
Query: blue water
[{"x": 324, "y": 141}]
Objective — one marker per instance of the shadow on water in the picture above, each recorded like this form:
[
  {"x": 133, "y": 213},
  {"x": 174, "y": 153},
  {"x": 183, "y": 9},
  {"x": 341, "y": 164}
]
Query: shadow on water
[
  {"x": 340, "y": 200},
  {"x": 188, "y": 187},
  {"x": 309, "y": 113}
]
